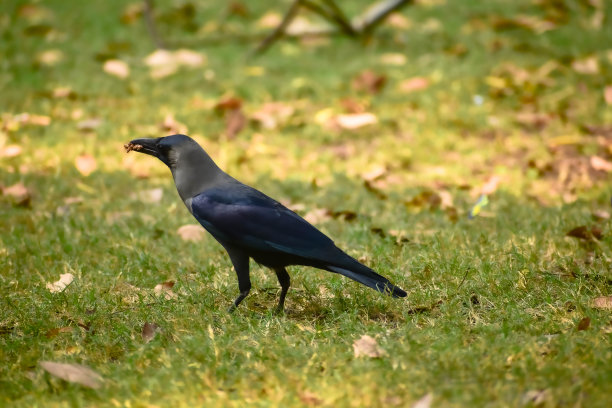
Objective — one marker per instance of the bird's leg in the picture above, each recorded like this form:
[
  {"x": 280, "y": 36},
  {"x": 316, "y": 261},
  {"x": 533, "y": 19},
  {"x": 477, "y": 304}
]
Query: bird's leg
[
  {"x": 285, "y": 282},
  {"x": 241, "y": 265}
]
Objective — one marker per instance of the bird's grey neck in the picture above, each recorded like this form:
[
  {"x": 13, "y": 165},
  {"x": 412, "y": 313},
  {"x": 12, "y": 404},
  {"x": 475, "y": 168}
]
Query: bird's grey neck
[{"x": 197, "y": 175}]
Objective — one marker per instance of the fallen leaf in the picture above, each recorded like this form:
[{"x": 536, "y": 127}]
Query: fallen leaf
[
  {"x": 490, "y": 186},
  {"x": 586, "y": 66},
  {"x": 310, "y": 398},
  {"x": 601, "y": 164},
  {"x": 191, "y": 232},
  {"x": 353, "y": 106},
  {"x": 369, "y": 81},
  {"x": 20, "y": 194},
  {"x": 536, "y": 397},
  {"x": 117, "y": 68},
  {"x": 50, "y": 57},
  {"x": 235, "y": 121},
  {"x": 317, "y": 215},
  {"x": 59, "y": 286},
  {"x": 151, "y": 196},
  {"x": 393, "y": 58},
  {"x": 424, "y": 402},
  {"x": 602, "y": 302},
  {"x": 414, "y": 84},
  {"x": 608, "y": 94},
  {"x": 74, "y": 373},
  {"x": 171, "y": 125},
  {"x": 163, "y": 63},
  {"x": 583, "y": 324},
  {"x": 271, "y": 114},
  {"x": 165, "y": 288},
  {"x": 533, "y": 120},
  {"x": 601, "y": 215},
  {"x": 228, "y": 103},
  {"x": 85, "y": 164},
  {"x": 89, "y": 125},
  {"x": 31, "y": 119},
  {"x": 368, "y": 347},
  {"x": 189, "y": 58},
  {"x": 54, "y": 332},
  {"x": 149, "y": 330},
  {"x": 374, "y": 173},
  {"x": 9, "y": 151},
  {"x": 269, "y": 20},
  {"x": 585, "y": 233},
  {"x": 351, "y": 121}
]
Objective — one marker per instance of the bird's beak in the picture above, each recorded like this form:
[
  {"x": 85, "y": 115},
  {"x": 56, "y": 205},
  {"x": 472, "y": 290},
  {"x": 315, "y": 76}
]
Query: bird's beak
[{"x": 147, "y": 146}]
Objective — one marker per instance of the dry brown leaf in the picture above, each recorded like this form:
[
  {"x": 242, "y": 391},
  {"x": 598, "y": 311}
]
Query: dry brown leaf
[
  {"x": 491, "y": 185},
  {"x": 352, "y": 121},
  {"x": 89, "y": 125},
  {"x": 117, "y": 68},
  {"x": 269, "y": 20},
  {"x": 31, "y": 119},
  {"x": 414, "y": 84},
  {"x": 165, "y": 288},
  {"x": 585, "y": 233},
  {"x": 601, "y": 164},
  {"x": 54, "y": 332},
  {"x": 228, "y": 103},
  {"x": 50, "y": 57},
  {"x": 583, "y": 324},
  {"x": 368, "y": 347},
  {"x": 536, "y": 398},
  {"x": 11, "y": 150},
  {"x": 191, "y": 232},
  {"x": 424, "y": 402},
  {"x": 271, "y": 114},
  {"x": 607, "y": 92},
  {"x": 63, "y": 282},
  {"x": 173, "y": 126},
  {"x": 393, "y": 58},
  {"x": 310, "y": 398},
  {"x": 19, "y": 193},
  {"x": 235, "y": 121},
  {"x": 151, "y": 196},
  {"x": 317, "y": 215},
  {"x": 586, "y": 66},
  {"x": 602, "y": 302},
  {"x": 149, "y": 330},
  {"x": 369, "y": 81},
  {"x": 74, "y": 373},
  {"x": 601, "y": 215},
  {"x": 189, "y": 58},
  {"x": 374, "y": 173},
  {"x": 85, "y": 164}
]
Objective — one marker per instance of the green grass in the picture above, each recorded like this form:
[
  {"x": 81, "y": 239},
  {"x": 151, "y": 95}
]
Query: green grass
[{"x": 493, "y": 302}]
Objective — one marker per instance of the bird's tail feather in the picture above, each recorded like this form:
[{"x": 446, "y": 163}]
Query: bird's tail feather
[{"x": 369, "y": 278}]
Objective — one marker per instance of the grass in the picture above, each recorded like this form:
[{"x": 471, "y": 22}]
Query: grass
[{"x": 494, "y": 302}]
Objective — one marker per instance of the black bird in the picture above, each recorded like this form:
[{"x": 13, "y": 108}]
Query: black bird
[{"x": 248, "y": 223}]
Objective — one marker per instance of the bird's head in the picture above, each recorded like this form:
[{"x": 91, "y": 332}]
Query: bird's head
[{"x": 167, "y": 149}]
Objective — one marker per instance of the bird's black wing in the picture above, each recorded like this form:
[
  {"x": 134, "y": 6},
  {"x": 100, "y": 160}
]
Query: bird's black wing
[{"x": 242, "y": 216}]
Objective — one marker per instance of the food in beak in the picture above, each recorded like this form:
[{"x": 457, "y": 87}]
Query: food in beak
[{"x": 130, "y": 146}]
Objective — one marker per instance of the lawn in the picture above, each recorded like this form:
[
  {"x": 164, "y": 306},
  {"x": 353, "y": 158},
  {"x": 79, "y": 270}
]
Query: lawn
[{"x": 385, "y": 144}]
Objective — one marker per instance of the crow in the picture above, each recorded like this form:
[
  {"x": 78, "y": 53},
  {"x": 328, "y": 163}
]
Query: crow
[{"x": 249, "y": 224}]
